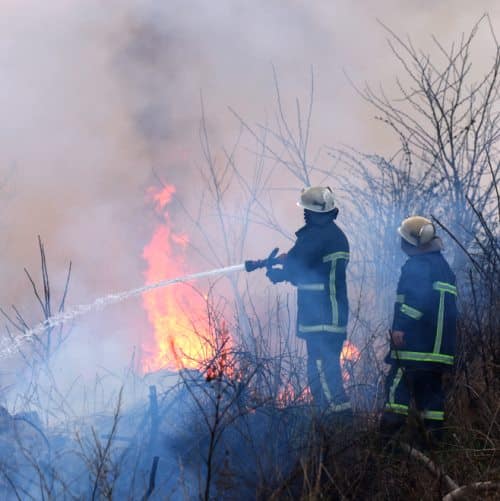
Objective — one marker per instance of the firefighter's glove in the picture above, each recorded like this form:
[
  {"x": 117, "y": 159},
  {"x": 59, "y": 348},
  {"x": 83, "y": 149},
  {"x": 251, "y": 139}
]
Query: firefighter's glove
[{"x": 276, "y": 275}]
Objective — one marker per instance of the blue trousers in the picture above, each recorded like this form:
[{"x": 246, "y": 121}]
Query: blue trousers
[
  {"x": 413, "y": 390},
  {"x": 324, "y": 373}
]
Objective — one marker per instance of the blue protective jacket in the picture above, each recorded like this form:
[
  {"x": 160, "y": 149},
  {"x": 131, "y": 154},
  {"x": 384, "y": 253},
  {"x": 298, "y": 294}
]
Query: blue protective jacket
[
  {"x": 426, "y": 311},
  {"x": 316, "y": 265}
]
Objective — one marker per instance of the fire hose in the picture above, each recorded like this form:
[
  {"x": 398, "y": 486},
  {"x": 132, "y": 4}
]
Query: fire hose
[{"x": 9, "y": 345}]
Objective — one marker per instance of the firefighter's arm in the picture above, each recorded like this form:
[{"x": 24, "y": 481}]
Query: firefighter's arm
[
  {"x": 300, "y": 258},
  {"x": 414, "y": 296}
]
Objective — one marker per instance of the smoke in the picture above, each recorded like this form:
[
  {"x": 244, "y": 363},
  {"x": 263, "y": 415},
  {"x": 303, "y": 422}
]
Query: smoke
[
  {"x": 98, "y": 97},
  {"x": 101, "y": 99}
]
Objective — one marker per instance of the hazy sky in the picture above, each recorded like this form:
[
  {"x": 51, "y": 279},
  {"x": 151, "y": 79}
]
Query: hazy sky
[{"x": 95, "y": 94}]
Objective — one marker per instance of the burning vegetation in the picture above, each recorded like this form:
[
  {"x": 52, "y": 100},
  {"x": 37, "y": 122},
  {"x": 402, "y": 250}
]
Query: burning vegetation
[
  {"x": 220, "y": 407},
  {"x": 178, "y": 316}
]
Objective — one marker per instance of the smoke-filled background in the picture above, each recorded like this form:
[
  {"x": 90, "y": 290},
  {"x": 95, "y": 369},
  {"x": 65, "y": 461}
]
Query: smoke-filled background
[
  {"x": 143, "y": 140},
  {"x": 101, "y": 99}
]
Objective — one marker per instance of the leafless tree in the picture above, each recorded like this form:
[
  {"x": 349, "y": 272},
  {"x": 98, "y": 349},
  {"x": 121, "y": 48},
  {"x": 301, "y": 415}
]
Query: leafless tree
[
  {"x": 44, "y": 346},
  {"x": 448, "y": 124},
  {"x": 37, "y": 356}
]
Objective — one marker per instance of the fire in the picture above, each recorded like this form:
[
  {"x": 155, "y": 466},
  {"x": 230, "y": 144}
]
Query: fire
[
  {"x": 178, "y": 314},
  {"x": 221, "y": 365},
  {"x": 348, "y": 358},
  {"x": 287, "y": 395}
]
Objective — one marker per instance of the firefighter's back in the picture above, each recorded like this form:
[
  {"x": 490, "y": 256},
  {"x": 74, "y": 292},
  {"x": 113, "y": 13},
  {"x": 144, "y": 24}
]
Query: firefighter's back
[{"x": 322, "y": 288}]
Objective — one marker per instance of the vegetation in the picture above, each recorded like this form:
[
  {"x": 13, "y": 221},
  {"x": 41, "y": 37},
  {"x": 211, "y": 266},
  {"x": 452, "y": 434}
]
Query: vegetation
[{"x": 242, "y": 425}]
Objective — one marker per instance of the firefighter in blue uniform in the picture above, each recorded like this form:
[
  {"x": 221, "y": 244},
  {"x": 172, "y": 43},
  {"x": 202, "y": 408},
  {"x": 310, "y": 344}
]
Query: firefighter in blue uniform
[
  {"x": 316, "y": 265},
  {"x": 423, "y": 330}
]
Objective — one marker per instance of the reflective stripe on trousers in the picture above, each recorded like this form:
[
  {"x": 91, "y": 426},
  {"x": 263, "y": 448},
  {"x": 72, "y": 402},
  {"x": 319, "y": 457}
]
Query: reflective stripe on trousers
[
  {"x": 423, "y": 387},
  {"x": 332, "y": 406}
]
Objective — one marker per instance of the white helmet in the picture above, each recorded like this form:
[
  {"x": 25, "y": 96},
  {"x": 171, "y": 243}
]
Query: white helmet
[
  {"x": 317, "y": 199},
  {"x": 417, "y": 230}
]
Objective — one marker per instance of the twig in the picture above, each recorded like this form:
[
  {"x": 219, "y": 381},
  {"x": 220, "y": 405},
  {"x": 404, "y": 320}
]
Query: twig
[{"x": 152, "y": 479}]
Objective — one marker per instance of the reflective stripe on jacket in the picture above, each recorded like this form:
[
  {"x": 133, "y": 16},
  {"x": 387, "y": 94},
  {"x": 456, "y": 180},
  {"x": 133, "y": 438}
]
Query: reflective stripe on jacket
[
  {"x": 316, "y": 265},
  {"x": 426, "y": 311}
]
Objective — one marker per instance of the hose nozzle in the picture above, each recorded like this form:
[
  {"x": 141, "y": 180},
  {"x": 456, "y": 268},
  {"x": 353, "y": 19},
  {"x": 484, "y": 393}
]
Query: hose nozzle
[{"x": 272, "y": 259}]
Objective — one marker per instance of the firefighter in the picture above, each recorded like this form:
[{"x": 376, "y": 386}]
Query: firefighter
[
  {"x": 422, "y": 343},
  {"x": 316, "y": 265}
]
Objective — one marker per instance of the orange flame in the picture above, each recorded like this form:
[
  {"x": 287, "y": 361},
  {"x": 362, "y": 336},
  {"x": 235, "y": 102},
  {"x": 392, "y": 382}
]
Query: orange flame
[
  {"x": 178, "y": 314},
  {"x": 287, "y": 395},
  {"x": 348, "y": 358},
  {"x": 222, "y": 364}
]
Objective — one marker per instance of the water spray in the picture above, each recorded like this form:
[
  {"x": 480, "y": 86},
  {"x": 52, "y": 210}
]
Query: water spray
[{"x": 8, "y": 346}]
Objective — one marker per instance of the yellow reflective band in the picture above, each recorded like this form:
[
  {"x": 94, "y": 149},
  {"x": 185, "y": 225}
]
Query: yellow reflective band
[
  {"x": 397, "y": 408},
  {"x": 434, "y": 415},
  {"x": 422, "y": 357},
  {"x": 340, "y": 407},
  {"x": 445, "y": 287},
  {"x": 439, "y": 328},
  {"x": 322, "y": 328},
  {"x": 311, "y": 287},
  {"x": 411, "y": 312},
  {"x": 395, "y": 383},
  {"x": 403, "y": 409},
  {"x": 336, "y": 255},
  {"x": 333, "y": 289},
  {"x": 400, "y": 298},
  {"x": 322, "y": 378}
]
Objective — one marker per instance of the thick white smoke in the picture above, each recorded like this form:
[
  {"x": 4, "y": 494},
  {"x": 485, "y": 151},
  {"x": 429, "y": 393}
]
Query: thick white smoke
[{"x": 96, "y": 95}]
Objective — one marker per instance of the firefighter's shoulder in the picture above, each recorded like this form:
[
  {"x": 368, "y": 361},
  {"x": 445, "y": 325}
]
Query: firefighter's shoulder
[{"x": 417, "y": 266}]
